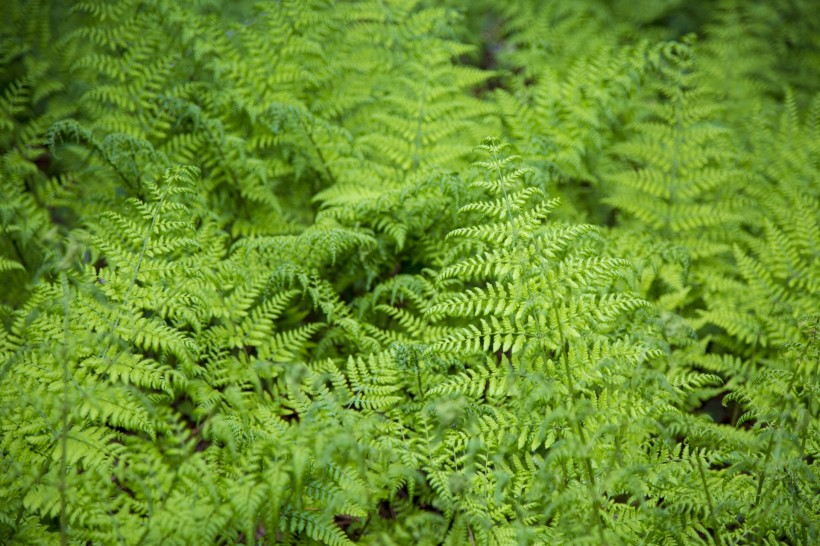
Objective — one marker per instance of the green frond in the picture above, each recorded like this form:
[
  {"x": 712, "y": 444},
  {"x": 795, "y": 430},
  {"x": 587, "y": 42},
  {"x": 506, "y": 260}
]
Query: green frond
[{"x": 260, "y": 286}]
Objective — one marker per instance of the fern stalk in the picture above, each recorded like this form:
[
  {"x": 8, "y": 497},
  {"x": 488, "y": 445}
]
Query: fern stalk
[
  {"x": 709, "y": 501},
  {"x": 782, "y": 418},
  {"x": 597, "y": 509},
  {"x": 64, "y": 410}
]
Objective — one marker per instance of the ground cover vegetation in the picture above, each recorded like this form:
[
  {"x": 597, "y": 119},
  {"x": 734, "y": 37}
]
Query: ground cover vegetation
[{"x": 397, "y": 272}]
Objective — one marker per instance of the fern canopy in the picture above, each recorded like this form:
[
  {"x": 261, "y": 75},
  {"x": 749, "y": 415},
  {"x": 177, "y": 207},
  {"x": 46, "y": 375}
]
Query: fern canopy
[{"x": 266, "y": 279}]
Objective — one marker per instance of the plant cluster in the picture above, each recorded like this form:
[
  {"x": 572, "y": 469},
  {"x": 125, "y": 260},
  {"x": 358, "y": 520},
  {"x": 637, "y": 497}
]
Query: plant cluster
[{"x": 266, "y": 279}]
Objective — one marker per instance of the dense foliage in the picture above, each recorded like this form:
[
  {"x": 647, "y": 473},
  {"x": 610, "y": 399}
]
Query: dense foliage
[{"x": 266, "y": 279}]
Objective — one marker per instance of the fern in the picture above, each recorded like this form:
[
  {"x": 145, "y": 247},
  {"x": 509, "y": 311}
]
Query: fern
[
  {"x": 675, "y": 182},
  {"x": 551, "y": 343},
  {"x": 260, "y": 286}
]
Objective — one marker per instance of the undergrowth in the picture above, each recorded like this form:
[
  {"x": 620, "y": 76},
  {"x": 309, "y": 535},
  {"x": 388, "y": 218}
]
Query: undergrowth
[{"x": 266, "y": 279}]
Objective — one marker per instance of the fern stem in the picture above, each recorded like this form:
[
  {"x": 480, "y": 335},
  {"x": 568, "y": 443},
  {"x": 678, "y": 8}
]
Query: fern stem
[
  {"x": 418, "y": 378},
  {"x": 133, "y": 280},
  {"x": 579, "y": 430},
  {"x": 66, "y": 407},
  {"x": 597, "y": 509},
  {"x": 709, "y": 500},
  {"x": 329, "y": 175},
  {"x": 19, "y": 253},
  {"x": 770, "y": 444},
  {"x": 781, "y": 421},
  {"x": 766, "y": 459},
  {"x": 418, "y": 142}
]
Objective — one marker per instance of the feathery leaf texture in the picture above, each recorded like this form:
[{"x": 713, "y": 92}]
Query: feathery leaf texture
[{"x": 260, "y": 286}]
